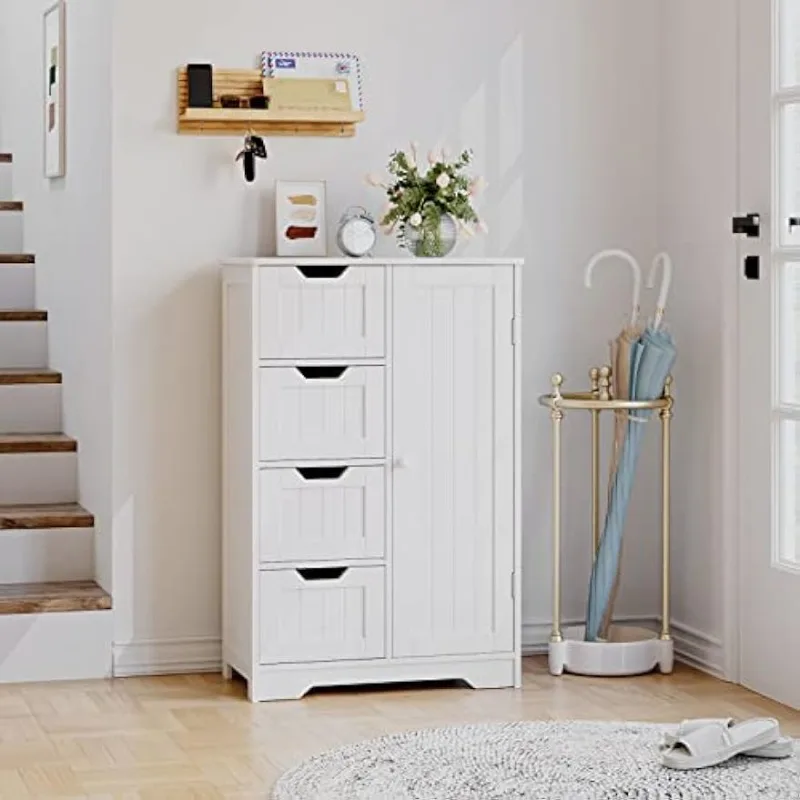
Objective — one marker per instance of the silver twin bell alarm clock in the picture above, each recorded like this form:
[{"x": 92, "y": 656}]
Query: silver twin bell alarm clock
[{"x": 357, "y": 232}]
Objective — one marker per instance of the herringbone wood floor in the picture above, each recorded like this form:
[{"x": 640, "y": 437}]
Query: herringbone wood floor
[{"x": 197, "y": 737}]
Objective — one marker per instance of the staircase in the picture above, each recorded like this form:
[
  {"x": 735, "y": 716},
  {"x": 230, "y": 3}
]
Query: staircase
[{"x": 55, "y": 621}]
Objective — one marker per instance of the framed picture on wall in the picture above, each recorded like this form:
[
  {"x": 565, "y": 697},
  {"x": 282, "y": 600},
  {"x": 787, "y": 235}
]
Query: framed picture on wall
[
  {"x": 55, "y": 112},
  {"x": 300, "y": 218}
]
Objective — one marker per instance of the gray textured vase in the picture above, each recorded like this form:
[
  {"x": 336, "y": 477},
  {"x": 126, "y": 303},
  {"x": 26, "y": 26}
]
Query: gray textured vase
[{"x": 432, "y": 244}]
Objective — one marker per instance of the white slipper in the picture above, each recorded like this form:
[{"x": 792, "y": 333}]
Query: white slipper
[
  {"x": 783, "y": 747},
  {"x": 716, "y": 743}
]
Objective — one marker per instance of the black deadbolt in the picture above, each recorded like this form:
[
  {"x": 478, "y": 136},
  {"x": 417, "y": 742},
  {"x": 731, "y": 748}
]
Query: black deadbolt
[{"x": 752, "y": 268}]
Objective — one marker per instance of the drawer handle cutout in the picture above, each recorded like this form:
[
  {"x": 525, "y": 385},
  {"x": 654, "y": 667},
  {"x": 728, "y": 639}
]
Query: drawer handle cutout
[
  {"x": 322, "y": 473},
  {"x": 322, "y": 573},
  {"x": 319, "y": 271},
  {"x": 321, "y": 373}
]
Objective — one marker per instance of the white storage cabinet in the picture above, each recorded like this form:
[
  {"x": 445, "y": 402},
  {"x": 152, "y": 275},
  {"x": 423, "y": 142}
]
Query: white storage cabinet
[{"x": 371, "y": 472}]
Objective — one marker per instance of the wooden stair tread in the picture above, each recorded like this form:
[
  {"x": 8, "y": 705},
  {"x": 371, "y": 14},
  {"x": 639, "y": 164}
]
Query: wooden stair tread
[
  {"x": 43, "y": 598},
  {"x": 40, "y": 517},
  {"x": 22, "y": 315},
  {"x": 13, "y": 259},
  {"x": 6, "y": 158},
  {"x": 11, "y": 205},
  {"x": 37, "y": 443},
  {"x": 17, "y": 376}
]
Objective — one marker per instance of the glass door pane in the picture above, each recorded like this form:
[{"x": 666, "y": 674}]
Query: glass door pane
[
  {"x": 788, "y": 540},
  {"x": 789, "y": 43},
  {"x": 789, "y": 174},
  {"x": 789, "y": 335}
]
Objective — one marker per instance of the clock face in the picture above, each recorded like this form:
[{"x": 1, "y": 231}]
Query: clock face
[{"x": 358, "y": 237}]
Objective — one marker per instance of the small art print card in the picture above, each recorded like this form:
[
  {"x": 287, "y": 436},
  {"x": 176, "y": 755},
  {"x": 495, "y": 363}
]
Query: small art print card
[{"x": 300, "y": 218}]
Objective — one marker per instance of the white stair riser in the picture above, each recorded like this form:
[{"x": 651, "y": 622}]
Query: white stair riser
[
  {"x": 6, "y": 190},
  {"x": 32, "y": 478},
  {"x": 40, "y": 556},
  {"x": 17, "y": 287},
  {"x": 11, "y": 232},
  {"x": 55, "y": 647},
  {"x": 30, "y": 408},
  {"x": 23, "y": 344}
]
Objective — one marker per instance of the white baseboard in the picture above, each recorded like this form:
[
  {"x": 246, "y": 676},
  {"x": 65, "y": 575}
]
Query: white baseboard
[
  {"x": 699, "y": 650},
  {"x": 168, "y": 656},
  {"x": 692, "y": 647},
  {"x": 204, "y": 654}
]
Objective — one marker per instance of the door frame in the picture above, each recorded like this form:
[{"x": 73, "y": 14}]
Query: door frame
[
  {"x": 736, "y": 381},
  {"x": 732, "y": 421}
]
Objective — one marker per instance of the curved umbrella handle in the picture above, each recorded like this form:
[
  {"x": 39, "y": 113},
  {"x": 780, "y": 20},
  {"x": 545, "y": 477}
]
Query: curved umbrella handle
[
  {"x": 662, "y": 259},
  {"x": 637, "y": 276}
]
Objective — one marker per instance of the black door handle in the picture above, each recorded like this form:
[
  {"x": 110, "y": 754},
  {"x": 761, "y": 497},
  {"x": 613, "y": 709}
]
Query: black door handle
[
  {"x": 794, "y": 222},
  {"x": 748, "y": 225}
]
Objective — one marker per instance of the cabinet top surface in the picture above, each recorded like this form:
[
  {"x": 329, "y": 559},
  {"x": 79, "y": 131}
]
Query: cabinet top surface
[{"x": 250, "y": 263}]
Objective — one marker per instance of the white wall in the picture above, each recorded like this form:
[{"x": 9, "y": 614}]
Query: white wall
[
  {"x": 591, "y": 114},
  {"x": 68, "y": 223},
  {"x": 698, "y": 178},
  {"x": 585, "y": 80}
]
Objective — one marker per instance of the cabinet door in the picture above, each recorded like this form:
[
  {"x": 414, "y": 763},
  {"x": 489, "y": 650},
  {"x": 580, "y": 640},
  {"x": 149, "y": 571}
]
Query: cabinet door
[{"x": 453, "y": 481}]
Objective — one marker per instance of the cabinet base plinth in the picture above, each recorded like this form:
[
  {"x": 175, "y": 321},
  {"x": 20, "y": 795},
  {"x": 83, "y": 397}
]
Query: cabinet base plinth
[{"x": 293, "y": 681}]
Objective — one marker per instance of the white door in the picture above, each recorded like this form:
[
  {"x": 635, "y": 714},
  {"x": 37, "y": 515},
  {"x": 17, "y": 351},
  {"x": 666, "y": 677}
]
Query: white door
[
  {"x": 769, "y": 347},
  {"x": 453, "y": 481}
]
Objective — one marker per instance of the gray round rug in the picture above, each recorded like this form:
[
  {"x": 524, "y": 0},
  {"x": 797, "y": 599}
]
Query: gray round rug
[{"x": 530, "y": 760}]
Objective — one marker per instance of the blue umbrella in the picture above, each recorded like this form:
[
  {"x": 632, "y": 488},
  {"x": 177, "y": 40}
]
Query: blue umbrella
[{"x": 652, "y": 359}]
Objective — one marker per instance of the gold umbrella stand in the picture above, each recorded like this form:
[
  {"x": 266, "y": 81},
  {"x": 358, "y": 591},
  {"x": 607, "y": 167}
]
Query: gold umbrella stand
[{"x": 626, "y": 650}]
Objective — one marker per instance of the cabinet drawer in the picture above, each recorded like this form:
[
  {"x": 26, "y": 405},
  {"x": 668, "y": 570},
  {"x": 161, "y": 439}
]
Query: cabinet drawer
[
  {"x": 322, "y": 311},
  {"x": 321, "y": 513},
  {"x": 333, "y": 412},
  {"x": 325, "y": 614}
]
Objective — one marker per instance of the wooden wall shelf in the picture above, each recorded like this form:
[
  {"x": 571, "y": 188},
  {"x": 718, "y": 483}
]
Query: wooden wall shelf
[{"x": 244, "y": 83}]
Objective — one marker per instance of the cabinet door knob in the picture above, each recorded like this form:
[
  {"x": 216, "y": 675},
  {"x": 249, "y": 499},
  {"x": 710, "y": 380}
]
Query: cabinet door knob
[{"x": 399, "y": 463}]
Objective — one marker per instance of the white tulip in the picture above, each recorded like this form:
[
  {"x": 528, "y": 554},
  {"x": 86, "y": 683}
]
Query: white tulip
[
  {"x": 415, "y": 220},
  {"x": 434, "y": 157}
]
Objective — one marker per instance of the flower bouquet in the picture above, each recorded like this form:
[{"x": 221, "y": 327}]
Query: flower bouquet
[{"x": 428, "y": 209}]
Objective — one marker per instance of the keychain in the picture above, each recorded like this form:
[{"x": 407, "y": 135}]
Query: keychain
[{"x": 254, "y": 148}]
